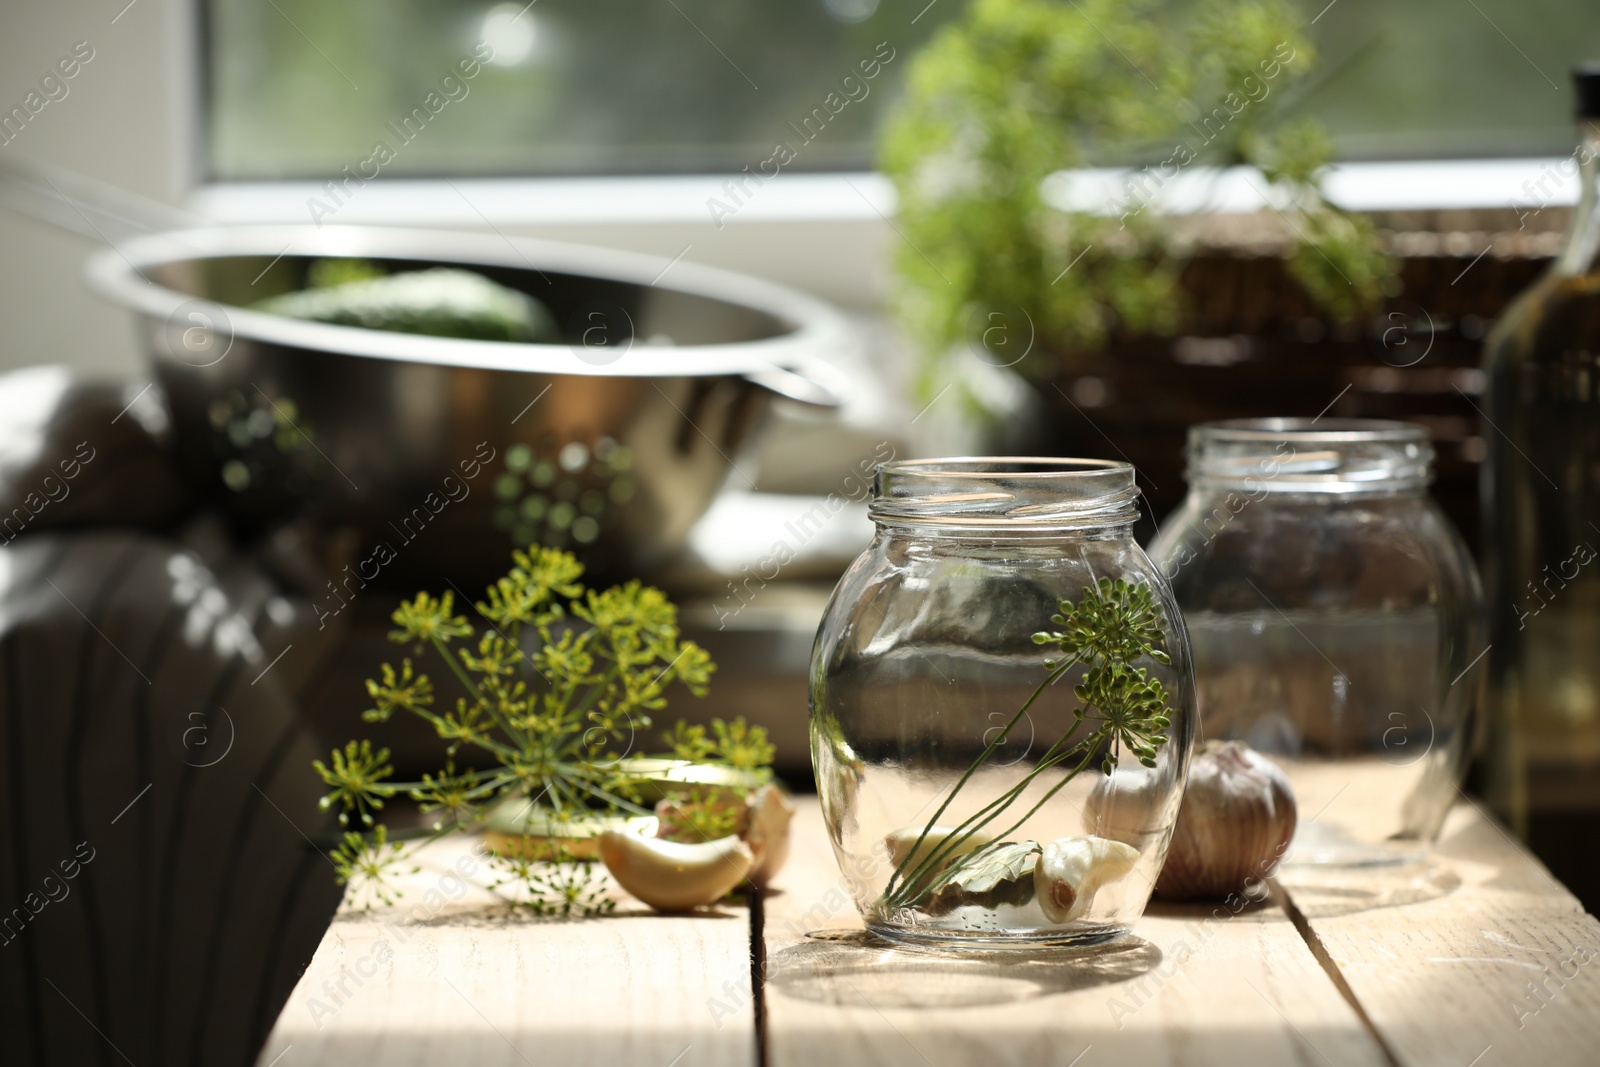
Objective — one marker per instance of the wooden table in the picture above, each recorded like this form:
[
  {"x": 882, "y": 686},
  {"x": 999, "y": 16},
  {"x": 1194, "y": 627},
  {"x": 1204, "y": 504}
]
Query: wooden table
[{"x": 1484, "y": 961}]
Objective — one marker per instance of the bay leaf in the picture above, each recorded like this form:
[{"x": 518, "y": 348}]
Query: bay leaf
[{"x": 1000, "y": 873}]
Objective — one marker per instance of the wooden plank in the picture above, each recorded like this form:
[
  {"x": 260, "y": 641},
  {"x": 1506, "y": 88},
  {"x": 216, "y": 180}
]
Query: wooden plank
[
  {"x": 1191, "y": 989},
  {"x": 450, "y": 975},
  {"x": 1502, "y": 968}
]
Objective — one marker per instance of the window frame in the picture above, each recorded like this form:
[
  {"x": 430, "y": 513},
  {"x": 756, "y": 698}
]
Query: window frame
[{"x": 826, "y": 232}]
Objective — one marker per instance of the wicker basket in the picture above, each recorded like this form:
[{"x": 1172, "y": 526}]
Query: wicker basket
[{"x": 1253, "y": 346}]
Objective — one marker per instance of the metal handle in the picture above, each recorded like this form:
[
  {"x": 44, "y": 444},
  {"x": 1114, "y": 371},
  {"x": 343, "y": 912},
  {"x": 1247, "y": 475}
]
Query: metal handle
[
  {"x": 802, "y": 385},
  {"x": 70, "y": 201}
]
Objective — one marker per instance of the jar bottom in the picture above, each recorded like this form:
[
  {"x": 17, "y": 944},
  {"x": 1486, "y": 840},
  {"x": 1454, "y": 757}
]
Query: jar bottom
[
  {"x": 1358, "y": 857},
  {"x": 936, "y": 938},
  {"x": 1331, "y": 846}
]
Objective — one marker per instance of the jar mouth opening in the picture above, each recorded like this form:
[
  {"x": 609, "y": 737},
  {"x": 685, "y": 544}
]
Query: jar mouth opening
[
  {"x": 1010, "y": 466},
  {"x": 1312, "y": 431},
  {"x": 1311, "y": 455},
  {"x": 1006, "y": 492}
]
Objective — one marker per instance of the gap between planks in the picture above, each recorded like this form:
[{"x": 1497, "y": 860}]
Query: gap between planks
[
  {"x": 1494, "y": 966},
  {"x": 1319, "y": 952}
]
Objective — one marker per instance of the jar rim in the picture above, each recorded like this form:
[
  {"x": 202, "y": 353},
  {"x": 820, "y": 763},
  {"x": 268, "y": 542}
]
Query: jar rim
[
  {"x": 1337, "y": 456},
  {"x": 1012, "y": 466},
  {"x": 1018, "y": 493},
  {"x": 1317, "y": 430}
]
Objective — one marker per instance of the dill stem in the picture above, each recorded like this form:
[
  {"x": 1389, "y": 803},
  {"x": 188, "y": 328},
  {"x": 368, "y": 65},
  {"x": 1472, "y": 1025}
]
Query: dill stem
[
  {"x": 1087, "y": 755},
  {"x": 476, "y": 693},
  {"x": 977, "y": 764},
  {"x": 983, "y": 816}
]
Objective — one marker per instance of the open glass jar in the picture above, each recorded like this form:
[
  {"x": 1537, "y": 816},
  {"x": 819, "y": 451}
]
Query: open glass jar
[
  {"x": 1334, "y": 613},
  {"x": 1001, "y": 706}
]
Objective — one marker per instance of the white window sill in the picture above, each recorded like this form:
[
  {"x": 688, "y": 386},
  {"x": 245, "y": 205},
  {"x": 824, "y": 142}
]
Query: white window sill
[
  {"x": 1421, "y": 185},
  {"x": 676, "y": 200},
  {"x": 860, "y": 197},
  {"x": 830, "y": 234}
]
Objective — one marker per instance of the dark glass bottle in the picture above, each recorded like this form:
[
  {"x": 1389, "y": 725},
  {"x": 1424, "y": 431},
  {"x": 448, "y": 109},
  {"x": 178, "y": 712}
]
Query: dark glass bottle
[{"x": 1541, "y": 497}]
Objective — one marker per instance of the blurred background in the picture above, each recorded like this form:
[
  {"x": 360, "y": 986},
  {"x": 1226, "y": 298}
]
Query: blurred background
[{"x": 619, "y": 124}]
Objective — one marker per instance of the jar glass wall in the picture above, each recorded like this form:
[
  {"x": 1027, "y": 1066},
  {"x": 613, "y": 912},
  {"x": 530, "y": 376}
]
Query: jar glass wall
[
  {"x": 945, "y": 730},
  {"x": 1334, "y": 614}
]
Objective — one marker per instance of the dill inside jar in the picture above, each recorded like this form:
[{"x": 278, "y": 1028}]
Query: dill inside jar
[{"x": 1000, "y": 650}]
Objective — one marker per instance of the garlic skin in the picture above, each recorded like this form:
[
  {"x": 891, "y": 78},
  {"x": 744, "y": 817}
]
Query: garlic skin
[
  {"x": 760, "y": 820},
  {"x": 1237, "y": 819},
  {"x": 1071, "y": 869},
  {"x": 672, "y": 876},
  {"x": 767, "y": 833}
]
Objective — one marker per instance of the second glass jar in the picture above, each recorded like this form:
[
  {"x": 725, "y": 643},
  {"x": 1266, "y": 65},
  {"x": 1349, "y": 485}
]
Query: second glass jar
[{"x": 1335, "y": 615}]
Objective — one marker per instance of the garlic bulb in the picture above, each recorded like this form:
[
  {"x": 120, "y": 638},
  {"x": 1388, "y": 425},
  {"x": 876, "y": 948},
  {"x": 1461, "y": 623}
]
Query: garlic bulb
[
  {"x": 1071, "y": 869},
  {"x": 1236, "y": 821}
]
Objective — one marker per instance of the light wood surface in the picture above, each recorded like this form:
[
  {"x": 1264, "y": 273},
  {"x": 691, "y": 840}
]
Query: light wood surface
[
  {"x": 457, "y": 978},
  {"x": 1191, "y": 989},
  {"x": 1502, "y": 968},
  {"x": 1367, "y": 969}
]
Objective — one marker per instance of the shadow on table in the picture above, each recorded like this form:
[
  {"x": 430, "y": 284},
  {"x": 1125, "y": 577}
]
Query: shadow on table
[
  {"x": 1328, "y": 892},
  {"x": 852, "y": 968},
  {"x": 503, "y": 914}
]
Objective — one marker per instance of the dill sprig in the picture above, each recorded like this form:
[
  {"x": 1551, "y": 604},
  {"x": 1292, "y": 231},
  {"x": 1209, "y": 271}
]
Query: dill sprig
[
  {"x": 559, "y": 679},
  {"x": 1113, "y": 625}
]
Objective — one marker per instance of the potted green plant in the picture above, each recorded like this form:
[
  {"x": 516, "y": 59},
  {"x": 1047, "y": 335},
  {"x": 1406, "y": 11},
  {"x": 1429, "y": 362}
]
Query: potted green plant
[{"x": 1018, "y": 91}]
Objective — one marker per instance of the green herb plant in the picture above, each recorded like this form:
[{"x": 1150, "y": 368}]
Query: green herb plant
[
  {"x": 1120, "y": 708},
  {"x": 558, "y": 681},
  {"x": 1014, "y": 91}
]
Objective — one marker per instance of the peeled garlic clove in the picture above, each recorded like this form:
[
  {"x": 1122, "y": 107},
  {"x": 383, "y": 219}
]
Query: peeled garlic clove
[
  {"x": 903, "y": 843},
  {"x": 1071, "y": 869},
  {"x": 672, "y": 876},
  {"x": 767, "y": 833},
  {"x": 1237, "y": 819}
]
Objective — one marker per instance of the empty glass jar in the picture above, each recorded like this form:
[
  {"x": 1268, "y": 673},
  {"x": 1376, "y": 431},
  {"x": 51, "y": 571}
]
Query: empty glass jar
[
  {"x": 1335, "y": 614},
  {"x": 1002, "y": 648}
]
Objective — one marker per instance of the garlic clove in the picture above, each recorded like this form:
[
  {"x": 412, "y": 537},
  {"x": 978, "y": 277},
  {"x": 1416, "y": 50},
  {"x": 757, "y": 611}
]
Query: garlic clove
[
  {"x": 904, "y": 843},
  {"x": 673, "y": 876},
  {"x": 1237, "y": 819},
  {"x": 1072, "y": 869},
  {"x": 767, "y": 833}
]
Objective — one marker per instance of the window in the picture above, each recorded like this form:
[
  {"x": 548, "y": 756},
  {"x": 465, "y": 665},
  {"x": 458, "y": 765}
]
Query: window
[
  {"x": 1430, "y": 79},
  {"x": 304, "y": 88}
]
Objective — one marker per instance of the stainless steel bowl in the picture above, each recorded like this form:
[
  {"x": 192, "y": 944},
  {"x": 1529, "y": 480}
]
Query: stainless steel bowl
[{"x": 430, "y": 457}]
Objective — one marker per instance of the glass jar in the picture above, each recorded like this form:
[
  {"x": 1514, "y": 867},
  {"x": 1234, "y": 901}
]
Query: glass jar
[
  {"x": 999, "y": 656},
  {"x": 1335, "y": 614}
]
